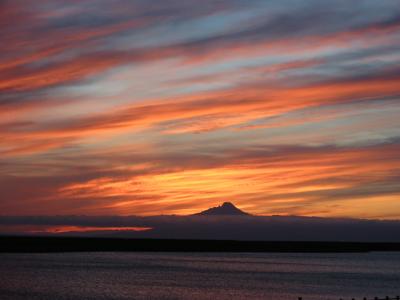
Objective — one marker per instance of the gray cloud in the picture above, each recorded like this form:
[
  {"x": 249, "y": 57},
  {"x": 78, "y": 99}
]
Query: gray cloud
[{"x": 273, "y": 228}]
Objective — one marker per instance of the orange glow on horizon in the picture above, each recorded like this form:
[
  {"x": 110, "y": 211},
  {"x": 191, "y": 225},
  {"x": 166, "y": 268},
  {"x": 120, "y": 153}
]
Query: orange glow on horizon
[
  {"x": 67, "y": 228},
  {"x": 299, "y": 183}
]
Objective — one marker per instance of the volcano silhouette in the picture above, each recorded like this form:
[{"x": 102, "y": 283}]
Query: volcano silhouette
[{"x": 226, "y": 209}]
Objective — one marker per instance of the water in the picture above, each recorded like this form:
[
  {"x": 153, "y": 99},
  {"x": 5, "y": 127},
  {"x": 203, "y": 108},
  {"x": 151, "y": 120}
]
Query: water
[{"x": 112, "y": 275}]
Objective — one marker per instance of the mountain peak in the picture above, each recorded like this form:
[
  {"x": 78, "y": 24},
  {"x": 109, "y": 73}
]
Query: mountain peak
[{"x": 226, "y": 209}]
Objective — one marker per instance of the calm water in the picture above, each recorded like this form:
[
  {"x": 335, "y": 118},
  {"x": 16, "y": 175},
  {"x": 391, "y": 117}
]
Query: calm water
[{"x": 198, "y": 276}]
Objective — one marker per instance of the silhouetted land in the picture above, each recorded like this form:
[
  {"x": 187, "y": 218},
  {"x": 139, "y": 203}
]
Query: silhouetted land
[{"x": 75, "y": 244}]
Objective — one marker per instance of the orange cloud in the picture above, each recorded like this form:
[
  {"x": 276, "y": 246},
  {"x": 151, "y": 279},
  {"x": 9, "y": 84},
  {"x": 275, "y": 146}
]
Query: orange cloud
[
  {"x": 202, "y": 112},
  {"x": 75, "y": 139},
  {"x": 286, "y": 182}
]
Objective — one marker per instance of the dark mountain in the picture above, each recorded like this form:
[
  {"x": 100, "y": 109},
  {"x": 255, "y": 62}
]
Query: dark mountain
[{"x": 226, "y": 209}]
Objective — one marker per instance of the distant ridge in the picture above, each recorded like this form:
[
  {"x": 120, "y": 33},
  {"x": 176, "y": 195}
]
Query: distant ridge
[{"x": 226, "y": 209}]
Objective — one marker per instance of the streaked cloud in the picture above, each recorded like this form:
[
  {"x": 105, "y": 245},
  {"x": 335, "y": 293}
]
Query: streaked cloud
[{"x": 116, "y": 107}]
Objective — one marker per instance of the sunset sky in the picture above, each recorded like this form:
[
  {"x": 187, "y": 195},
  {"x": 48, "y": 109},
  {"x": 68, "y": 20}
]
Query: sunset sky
[{"x": 117, "y": 107}]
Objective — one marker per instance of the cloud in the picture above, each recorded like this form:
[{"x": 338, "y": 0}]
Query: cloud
[
  {"x": 210, "y": 227},
  {"x": 325, "y": 181},
  {"x": 208, "y": 111},
  {"x": 117, "y": 107}
]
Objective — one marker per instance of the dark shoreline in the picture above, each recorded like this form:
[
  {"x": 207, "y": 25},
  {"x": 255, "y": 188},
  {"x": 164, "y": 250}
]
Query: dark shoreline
[{"x": 29, "y": 244}]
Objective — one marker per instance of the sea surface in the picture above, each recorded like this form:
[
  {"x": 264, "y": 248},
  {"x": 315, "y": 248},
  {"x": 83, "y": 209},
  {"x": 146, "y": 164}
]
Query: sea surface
[{"x": 116, "y": 275}]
